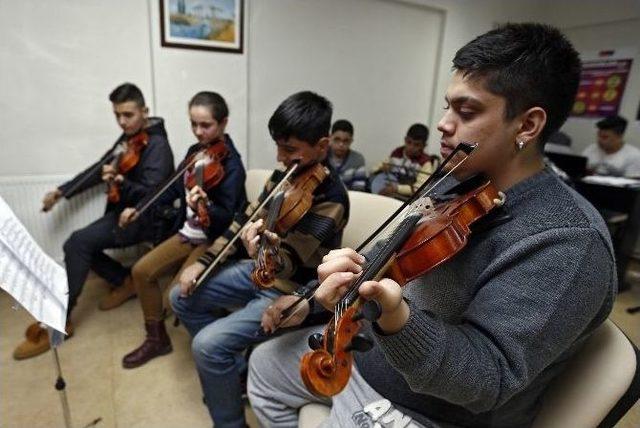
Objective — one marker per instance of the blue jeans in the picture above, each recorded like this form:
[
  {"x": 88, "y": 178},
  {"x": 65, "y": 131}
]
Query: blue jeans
[
  {"x": 380, "y": 180},
  {"x": 218, "y": 343}
]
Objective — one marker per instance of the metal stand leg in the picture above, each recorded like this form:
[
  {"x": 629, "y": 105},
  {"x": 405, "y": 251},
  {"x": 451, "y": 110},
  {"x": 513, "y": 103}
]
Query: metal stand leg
[{"x": 60, "y": 387}]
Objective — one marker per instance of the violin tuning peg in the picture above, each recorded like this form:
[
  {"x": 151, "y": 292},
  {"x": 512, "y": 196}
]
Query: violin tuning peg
[
  {"x": 359, "y": 343},
  {"x": 315, "y": 341},
  {"x": 370, "y": 311}
]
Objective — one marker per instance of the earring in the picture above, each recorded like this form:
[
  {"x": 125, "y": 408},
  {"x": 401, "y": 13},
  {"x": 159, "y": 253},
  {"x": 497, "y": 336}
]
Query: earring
[{"x": 520, "y": 144}]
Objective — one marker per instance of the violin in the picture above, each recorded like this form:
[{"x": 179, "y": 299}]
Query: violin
[
  {"x": 125, "y": 161},
  {"x": 205, "y": 176},
  {"x": 285, "y": 211},
  {"x": 426, "y": 237},
  {"x": 207, "y": 172},
  {"x": 213, "y": 171}
]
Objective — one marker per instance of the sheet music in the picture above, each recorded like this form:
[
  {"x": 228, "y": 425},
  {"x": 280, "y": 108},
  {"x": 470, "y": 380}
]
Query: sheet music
[{"x": 37, "y": 282}]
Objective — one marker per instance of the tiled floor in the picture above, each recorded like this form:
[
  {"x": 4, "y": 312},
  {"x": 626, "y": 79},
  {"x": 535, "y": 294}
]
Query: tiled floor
[{"x": 163, "y": 393}]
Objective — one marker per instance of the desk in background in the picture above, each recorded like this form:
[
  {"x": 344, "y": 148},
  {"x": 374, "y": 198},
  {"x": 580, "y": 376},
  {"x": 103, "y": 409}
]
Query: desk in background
[{"x": 612, "y": 199}]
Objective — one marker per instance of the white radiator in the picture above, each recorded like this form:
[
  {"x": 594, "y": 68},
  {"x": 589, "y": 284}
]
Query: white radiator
[{"x": 24, "y": 195}]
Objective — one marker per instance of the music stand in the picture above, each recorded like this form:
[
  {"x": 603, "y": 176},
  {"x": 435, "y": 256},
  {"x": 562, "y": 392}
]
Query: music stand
[{"x": 60, "y": 384}]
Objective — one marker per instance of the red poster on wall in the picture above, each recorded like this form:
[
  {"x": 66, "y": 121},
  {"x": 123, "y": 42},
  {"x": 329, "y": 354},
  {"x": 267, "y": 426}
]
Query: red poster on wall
[{"x": 602, "y": 84}]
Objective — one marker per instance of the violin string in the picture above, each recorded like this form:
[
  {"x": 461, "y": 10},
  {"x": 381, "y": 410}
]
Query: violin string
[
  {"x": 103, "y": 161},
  {"x": 352, "y": 291},
  {"x": 205, "y": 274},
  {"x": 164, "y": 187}
]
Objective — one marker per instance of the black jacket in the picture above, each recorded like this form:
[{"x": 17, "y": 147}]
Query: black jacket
[
  {"x": 153, "y": 168},
  {"x": 226, "y": 198}
]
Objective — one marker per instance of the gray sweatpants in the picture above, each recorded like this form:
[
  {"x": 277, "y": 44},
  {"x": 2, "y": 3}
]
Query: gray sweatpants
[{"x": 276, "y": 390}]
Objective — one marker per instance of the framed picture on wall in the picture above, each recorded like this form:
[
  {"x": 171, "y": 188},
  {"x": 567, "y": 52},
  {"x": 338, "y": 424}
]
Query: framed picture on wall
[{"x": 202, "y": 24}]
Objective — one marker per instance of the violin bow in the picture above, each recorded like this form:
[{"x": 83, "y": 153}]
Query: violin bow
[
  {"x": 205, "y": 274},
  {"x": 465, "y": 147}
]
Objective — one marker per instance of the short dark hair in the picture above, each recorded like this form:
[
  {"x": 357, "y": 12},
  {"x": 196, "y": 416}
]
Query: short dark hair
[
  {"x": 304, "y": 115},
  {"x": 127, "y": 92},
  {"x": 617, "y": 124},
  {"x": 213, "y": 101},
  {"x": 342, "y": 125},
  {"x": 418, "y": 131},
  {"x": 529, "y": 65}
]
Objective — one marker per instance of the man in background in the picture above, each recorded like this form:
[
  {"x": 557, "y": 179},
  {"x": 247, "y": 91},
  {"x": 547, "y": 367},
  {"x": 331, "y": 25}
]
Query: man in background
[
  {"x": 407, "y": 167},
  {"x": 611, "y": 156}
]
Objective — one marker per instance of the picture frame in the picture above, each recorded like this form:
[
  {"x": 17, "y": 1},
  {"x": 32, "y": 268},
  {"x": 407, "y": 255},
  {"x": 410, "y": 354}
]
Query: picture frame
[{"x": 215, "y": 25}]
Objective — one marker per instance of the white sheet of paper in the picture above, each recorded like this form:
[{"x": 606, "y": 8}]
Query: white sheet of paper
[{"x": 37, "y": 282}]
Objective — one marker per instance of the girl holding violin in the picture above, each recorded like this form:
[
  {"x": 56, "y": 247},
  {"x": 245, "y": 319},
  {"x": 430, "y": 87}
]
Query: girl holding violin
[
  {"x": 481, "y": 330},
  {"x": 209, "y": 184},
  {"x": 305, "y": 222},
  {"x": 140, "y": 159}
]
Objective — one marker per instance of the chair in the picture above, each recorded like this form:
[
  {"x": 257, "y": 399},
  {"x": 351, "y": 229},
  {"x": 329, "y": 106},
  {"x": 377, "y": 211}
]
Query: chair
[
  {"x": 367, "y": 211},
  {"x": 256, "y": 179},
  {"x": 598, "y": 387}
]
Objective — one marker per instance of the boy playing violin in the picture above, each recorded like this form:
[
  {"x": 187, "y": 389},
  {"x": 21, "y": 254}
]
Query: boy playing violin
[
  {"x": 407, "y": 167},
  {"x": 300, "y": 129},
  {"x": 207, "y": 209},
  {"x": 476, "y": 340},
  {"x": 149, "y": 159}
]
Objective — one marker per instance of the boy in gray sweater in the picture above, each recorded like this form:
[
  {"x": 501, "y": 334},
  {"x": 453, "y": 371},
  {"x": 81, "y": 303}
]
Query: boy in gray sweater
[{"x": 475, "y": 341}]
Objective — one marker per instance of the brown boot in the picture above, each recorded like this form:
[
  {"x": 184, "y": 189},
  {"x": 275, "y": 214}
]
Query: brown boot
[
  {"x": 37, "y": 341},
  {"x": 118, "y": 295},
  {"x": 157, "y": 343}
]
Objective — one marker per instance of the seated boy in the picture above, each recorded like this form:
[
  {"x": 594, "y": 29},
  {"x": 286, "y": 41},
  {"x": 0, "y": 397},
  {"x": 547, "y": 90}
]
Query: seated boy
[
  {"x": 300, "y": 129},
  {"x": 407, "y": 167},
  {"x": 347, "y": 162}
]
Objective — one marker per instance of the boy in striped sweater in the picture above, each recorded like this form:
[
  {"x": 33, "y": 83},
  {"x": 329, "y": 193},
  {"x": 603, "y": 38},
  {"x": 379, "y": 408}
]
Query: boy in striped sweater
[{"x": 347, "y": 162}]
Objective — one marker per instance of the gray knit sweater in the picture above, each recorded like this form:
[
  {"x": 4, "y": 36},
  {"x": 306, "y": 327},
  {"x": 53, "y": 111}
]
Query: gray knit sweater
[{"x": 491, "y": 328}]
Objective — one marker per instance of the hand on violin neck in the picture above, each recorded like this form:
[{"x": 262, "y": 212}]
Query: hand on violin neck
[
  {"x": 251, "y": 235},
  {"x": 272, "y": 316},
  {"x": 127, "y": 216},
  {"x": 109, "y": 173},
  {"x": 395, "y": 311},
  {"x": 196, "y": 194}
]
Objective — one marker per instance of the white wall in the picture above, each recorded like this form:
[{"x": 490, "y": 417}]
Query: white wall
[
  {"x": 60, "y": 60},
  {"x": 181, "y": 73},
  {"x": 55, "y": 77},
  {"x": 609, "y": 36},
  {"x": 378, "y": 74},
  {"x": 594, "y": 26}
]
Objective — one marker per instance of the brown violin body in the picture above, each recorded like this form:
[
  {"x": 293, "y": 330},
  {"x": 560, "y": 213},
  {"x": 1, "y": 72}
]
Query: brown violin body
[
  {"x": 211, "y": 174},
  {"x": 298, "y": 199},
  {"x": 126, "y": 161},
  {"x": 436, "y": 238},
  {"x": 213, "y": 170}
]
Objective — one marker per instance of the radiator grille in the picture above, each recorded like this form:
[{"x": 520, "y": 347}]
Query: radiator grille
[{"x": 24, "y": 195}]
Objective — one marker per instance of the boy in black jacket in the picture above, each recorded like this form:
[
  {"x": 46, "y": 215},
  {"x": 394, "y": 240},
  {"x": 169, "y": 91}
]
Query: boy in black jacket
[{"x": 84, "y": 248}]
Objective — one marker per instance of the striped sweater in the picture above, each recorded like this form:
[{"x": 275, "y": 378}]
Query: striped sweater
[
  {"x": 303, "y": 246},
  {"x": 352, "y": 170},
  {"x": 410, "y": 172}
]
